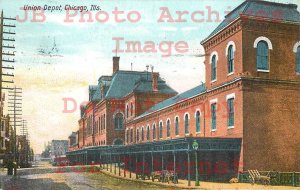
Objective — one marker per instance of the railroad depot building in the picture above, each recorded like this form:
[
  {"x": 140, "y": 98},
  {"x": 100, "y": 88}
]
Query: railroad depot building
[
  {"x": 122, "y": 95},
  {"x": 246, "y": 115}
]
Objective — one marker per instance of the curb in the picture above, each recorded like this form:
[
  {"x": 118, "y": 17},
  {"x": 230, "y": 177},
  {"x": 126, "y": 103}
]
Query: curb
[{"x": 148, "y": 182}]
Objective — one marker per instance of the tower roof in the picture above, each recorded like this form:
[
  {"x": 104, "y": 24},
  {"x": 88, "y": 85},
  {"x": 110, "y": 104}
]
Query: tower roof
[{"x": 279, "y": 12}]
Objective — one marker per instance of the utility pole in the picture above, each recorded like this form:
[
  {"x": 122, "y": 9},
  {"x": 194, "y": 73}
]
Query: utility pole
[
  {"x": 6, "y": 54},
  {"x": 24, "y": 133},
  {"x": 15, "y": 113}
]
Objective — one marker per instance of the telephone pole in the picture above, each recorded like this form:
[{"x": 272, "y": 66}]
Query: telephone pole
[
  {"x": 26, "y": 150},
  {"x": 15, "y": 113},
  {"x": 6, "y": 57}
]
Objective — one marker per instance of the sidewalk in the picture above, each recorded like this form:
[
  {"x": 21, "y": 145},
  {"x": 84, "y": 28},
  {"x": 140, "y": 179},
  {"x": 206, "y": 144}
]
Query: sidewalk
[
  {"x": 4, "y": 177},
  {"x": 183, "y": 184}
]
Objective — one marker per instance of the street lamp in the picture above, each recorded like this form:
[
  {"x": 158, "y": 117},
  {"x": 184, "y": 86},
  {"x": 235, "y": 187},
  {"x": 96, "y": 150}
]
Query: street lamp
[{"x": 195, "y": 147}]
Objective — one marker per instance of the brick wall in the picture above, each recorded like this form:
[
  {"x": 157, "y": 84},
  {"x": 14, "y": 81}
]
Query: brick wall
[
  {"x": 271, "y": 126},
  {"x": 219, "y": 44},
  {"x": 282, "y": 59}
]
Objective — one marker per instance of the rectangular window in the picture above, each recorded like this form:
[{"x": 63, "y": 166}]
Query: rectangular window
[
  {"x": 213, "y": 108},
  {"x": 230, "y": 108}
]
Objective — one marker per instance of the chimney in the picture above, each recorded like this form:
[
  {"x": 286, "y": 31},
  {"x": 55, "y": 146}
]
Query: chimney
[
  {"x": 155, "y": 81},
  {"x": 116, "y": 64}
]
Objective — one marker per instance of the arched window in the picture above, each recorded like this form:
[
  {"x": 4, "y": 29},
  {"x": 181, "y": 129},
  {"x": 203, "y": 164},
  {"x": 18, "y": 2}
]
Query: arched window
[
  {"x": 118, "y": 121},
  {"x": 142, "y": 135},
  {"x": 186, "y": 123},
  {"x": 127, "y": 111},
  {"x": 160, "y": 129},
  {"x": 230, "y": 59},
  {"x": 131, "y": 135},
  {"x": 176, "y": 126},
  {"x": 214, "y": 67},
  {"x": 101, "y": 126},
  {"x": 262, "y": 56},
  {"x": 137, "y": 135},
  {"x": 131, "y": 109},
  {"x": 198, "y": 121},
  {"x": 104, "y": 121},
  {"x": 127, "y": 137},
  {"x": 148, "y": 133},
  {"x": 298, "y": 60},
  {"x": 154, "y": 131},
  {"x": 168, "y": 128}
]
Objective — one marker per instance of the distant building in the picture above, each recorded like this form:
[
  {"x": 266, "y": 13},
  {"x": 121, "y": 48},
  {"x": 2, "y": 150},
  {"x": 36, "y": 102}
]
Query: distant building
[
  {"x": 6, "y": 139},
  {"x": 73, "y": 141},
  {"x": 58, "y": 148},
  {"x": 23, "y": 151}
]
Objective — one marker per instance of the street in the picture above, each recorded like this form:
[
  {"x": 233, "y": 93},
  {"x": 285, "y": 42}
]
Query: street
[{"x": 44, "y": 177}]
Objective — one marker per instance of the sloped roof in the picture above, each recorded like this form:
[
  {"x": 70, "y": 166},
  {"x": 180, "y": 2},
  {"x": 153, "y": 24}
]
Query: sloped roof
[
  {"x": 125, "y": 82},
  {"x": 146, "y": 86},
  {"x": 176, "y": 99},
  {"x": 262, "y": 9},
  {"x": 103, "y": 80},
  {"x": 97, "y": 95}
]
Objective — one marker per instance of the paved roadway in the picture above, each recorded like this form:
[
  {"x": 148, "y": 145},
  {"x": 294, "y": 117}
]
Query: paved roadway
[{"x": 44, "y": 177}]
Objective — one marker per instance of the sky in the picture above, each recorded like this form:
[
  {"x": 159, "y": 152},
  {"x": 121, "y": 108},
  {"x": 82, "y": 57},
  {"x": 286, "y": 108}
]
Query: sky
[{"x": 56, "y": 59}]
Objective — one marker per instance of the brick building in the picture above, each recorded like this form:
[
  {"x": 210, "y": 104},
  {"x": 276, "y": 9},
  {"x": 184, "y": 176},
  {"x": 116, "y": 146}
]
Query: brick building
[
  {"x": 252, "y": 90},
  {"x": 5, "y": 140},
  {"x": 122, "y": 96},
  {"x": 247, "y": 114},
  {"x": 73, "y": 141}
]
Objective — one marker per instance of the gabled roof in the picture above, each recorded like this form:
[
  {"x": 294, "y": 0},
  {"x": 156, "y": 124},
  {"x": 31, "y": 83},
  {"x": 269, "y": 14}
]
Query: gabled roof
[
  {"x": 262, "y": 9},
  {"x": 125, "y": 82},
  {"x": 176, "y": 99}
]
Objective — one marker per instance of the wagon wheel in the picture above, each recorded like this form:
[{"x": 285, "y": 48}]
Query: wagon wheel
[{"x": 267, "y": 182}]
